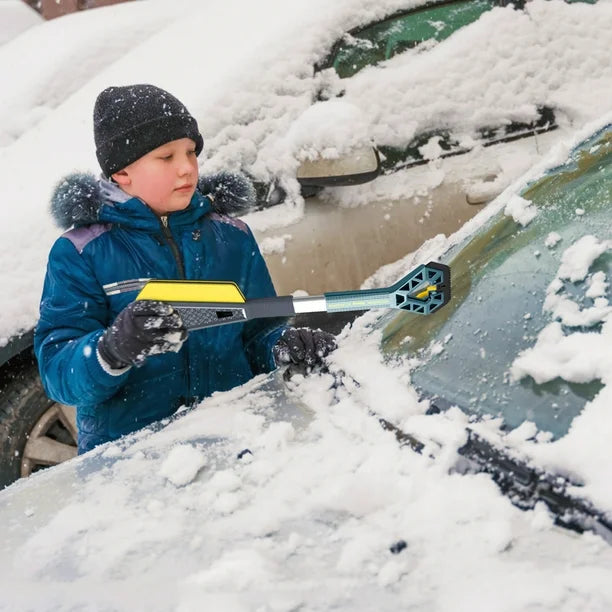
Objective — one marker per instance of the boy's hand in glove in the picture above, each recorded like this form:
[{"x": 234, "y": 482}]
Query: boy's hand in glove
[
  {"x": 303, "y": 347},
  {"x": 141, "y": 329}
]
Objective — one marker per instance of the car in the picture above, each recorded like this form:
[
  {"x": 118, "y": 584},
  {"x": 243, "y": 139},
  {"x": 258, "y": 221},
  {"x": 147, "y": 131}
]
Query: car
[
  {"x": 304, "y": 116},
  {"x": 287, "y": 482},
  {"x": 16, "y": 18},
  {"x": 523, "y": 342}
]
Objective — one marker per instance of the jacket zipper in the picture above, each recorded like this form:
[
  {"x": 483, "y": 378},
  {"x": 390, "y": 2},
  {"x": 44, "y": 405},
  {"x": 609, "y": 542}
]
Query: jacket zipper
[
  {"x": 179, "y": 263},
  {"x": 172, "y": 244}
]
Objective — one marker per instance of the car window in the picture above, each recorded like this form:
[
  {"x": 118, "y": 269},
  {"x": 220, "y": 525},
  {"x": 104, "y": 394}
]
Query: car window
[
  {"x": 381, "y": 41},
  {"x": 499, "y": 286},
  {"x": 395, "y": 158}
]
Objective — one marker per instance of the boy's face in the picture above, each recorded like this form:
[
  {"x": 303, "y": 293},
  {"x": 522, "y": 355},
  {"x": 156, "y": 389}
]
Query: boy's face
[{"x": 164, "y": 178}]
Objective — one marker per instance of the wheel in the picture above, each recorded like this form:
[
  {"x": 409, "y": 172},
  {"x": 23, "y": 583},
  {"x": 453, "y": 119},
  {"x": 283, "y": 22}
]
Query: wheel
[{"x": 35, "y": 432}]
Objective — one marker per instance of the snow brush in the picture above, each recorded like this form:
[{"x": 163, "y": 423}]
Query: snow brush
[{"x": 204, "y": 304}]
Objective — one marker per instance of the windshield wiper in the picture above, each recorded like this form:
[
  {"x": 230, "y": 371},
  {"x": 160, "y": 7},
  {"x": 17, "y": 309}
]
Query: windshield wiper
[
  {"x": 526, "y": 485},
  {"x": 522, "y": 483}
]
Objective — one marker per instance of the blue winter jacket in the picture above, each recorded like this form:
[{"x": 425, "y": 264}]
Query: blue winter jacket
[{"x": 129, "y": 242}]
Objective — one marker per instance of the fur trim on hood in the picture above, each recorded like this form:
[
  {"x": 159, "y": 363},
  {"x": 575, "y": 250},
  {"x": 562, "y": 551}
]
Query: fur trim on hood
[{"x": 77, "y": 199}]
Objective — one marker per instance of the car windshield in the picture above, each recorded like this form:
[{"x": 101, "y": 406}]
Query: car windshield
[
  {"x": 383, "y": 40},
  {"x": 500, "y": 277}
]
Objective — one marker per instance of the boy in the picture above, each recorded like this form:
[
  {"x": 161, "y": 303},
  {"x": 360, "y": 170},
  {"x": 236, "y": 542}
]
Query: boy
[{"x": 126, "y": 364}]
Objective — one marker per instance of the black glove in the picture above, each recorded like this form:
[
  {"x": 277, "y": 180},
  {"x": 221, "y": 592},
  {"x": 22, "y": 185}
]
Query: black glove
[
  {"x": 141, "y": 329},
  {"x": 303, "y": 346}
]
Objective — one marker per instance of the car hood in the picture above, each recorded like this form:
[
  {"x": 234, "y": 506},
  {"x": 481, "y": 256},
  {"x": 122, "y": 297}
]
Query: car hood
[{"x": 264, "y": 491}]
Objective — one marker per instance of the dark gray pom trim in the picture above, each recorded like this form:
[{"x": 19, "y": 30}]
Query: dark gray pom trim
[
  {"x": 75, "y": 201},
  {"x": 232, "y": 192}
]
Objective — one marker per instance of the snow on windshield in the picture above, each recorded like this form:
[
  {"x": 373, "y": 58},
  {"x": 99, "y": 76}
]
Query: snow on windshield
[
  {"x": 580, "y": 355},
  {"x": 574, "y": 345},
  {"x": 323, "y": 510}
]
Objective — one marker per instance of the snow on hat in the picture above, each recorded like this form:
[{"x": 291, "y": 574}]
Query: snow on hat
[{"x": 131, "y": 121}]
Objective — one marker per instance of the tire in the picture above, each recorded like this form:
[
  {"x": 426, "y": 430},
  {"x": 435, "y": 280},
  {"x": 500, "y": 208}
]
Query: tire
[{"x": 35, "y": 432}]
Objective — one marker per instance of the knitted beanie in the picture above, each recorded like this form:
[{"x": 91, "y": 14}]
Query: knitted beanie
[{"x": 131, "y": 121}]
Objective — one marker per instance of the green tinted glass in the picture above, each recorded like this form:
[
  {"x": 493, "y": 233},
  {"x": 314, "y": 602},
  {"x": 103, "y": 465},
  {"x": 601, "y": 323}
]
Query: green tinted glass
[
  {"x": 499, "y": 287},
  {"x": 383, "y": 40}
]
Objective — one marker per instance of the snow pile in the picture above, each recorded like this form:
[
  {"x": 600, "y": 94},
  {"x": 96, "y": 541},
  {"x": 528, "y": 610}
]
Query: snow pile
[
  {"x": 16, "y": 17},
  {"x": 326, "y": 129},
  {"x": 577, "y": 259},
  {"x": 274, "y": 244},
  {"x": 578, "y": 357},
  {"x": 552, "y": 239},
  {"x": 521, "y": 210},
  {"x": 536, "y": 56},
  {"x": 90, "y": 42},
  {"x": 324, "y": 496},
  {"x": 182, "y": 465}
]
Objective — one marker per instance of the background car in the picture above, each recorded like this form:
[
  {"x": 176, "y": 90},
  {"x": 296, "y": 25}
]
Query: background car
[
  {"x": 263, "y": 490},
  {"x": 298, "y": 102}
]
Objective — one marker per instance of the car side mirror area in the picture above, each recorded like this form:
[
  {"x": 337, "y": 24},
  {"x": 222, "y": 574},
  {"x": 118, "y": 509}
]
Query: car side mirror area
[{"x": 361, "y": 165}]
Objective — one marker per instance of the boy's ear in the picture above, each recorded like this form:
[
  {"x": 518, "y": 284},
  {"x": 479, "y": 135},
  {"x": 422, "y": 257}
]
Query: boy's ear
[{"x": 121, "y": 178}]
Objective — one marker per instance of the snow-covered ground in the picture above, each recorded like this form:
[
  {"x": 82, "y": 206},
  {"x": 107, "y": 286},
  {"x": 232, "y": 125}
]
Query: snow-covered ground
[{"x": 249, "y": 80}]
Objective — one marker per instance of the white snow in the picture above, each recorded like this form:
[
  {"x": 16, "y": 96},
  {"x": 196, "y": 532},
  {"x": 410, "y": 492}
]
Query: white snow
[
  {"x": 307, "y": 520},
  {"x": 552, "y": 239},
  {"x": 578, "y": 258},
  {"x": 521, "y": 210},
  {"x": 597, "y": 285},
  {"x": 274, "y": 244},
  {"x": 575, "y": 263},
  {"x": 90, "y": 42},
  {"x": 253, "y": 100},
  {"x": 182, "y": 464},
  {"x": 579, "y": 356},
  {"x": 16, "y": 17}
]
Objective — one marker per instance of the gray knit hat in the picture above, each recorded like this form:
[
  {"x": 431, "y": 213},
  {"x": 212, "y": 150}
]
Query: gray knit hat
[{"x": 131, "y": 121}]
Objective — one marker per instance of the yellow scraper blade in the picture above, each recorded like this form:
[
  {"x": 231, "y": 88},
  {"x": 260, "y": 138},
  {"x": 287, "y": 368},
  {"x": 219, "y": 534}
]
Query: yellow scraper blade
[{"x": 191, "y": 291}]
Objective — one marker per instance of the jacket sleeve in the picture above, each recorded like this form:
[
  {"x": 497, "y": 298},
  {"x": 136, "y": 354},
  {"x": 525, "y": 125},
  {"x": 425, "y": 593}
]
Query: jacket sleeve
[
  {"x": 73, "y": 316},
  {"x": 260, "y": 335}
]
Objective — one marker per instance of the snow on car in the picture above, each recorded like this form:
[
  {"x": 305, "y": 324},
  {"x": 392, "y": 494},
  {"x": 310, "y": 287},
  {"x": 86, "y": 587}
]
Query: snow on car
[
  {"x": 287, "y": 93},
  {"x": 16, "y": 17},
  {"x": 287, "y": 495},
  {"x": 49, "y": 63}
]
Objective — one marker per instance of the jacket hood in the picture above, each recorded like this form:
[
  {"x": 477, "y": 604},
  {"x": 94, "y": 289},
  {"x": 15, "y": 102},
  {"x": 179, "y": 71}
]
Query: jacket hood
[{"x": 79, "y": 198}]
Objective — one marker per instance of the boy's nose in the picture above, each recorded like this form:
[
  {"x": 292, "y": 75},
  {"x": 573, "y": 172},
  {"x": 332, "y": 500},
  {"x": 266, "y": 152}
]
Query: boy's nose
[{"x": 185, "y": 167}]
